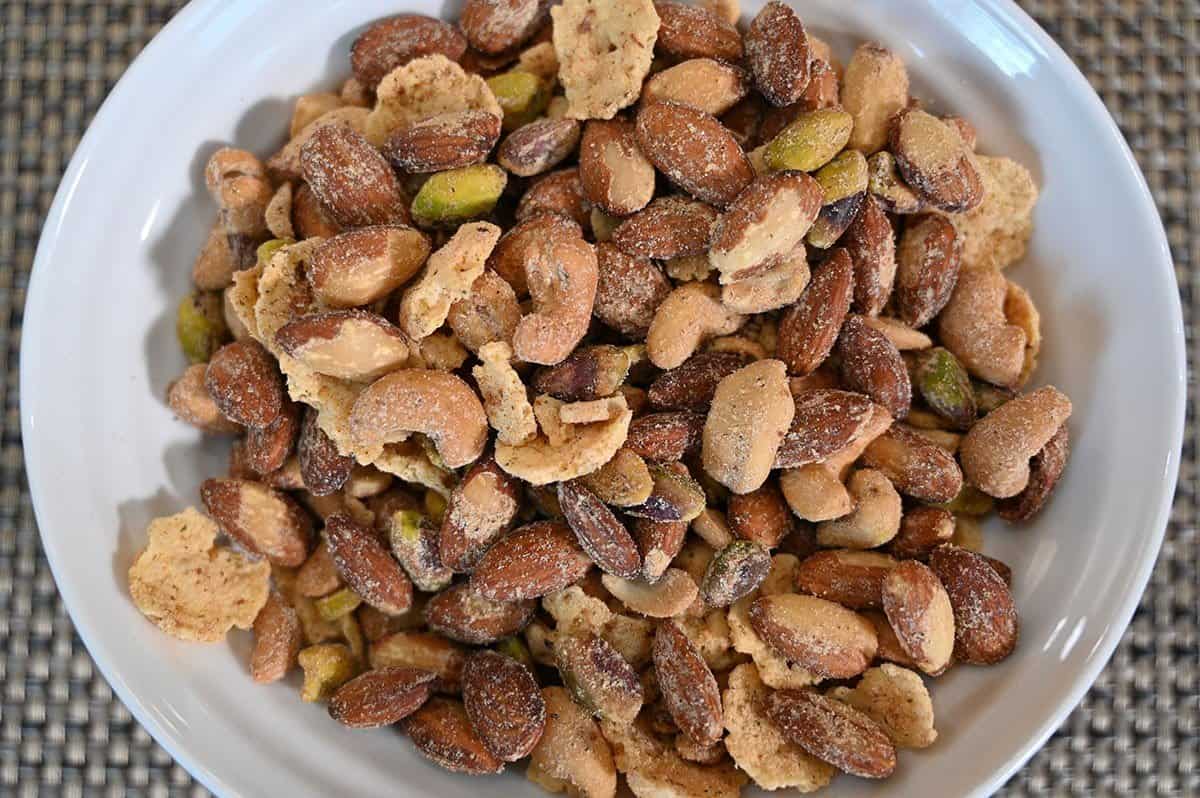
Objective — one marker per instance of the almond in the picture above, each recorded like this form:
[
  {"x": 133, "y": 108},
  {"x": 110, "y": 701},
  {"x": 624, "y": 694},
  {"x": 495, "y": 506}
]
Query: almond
[
  {"x": 538, "y": 146},
  {"x": 504, "y": 703},
  {"x": 760, "y": 515},
  {"x": 615, "y": 174},
  {"x": 833, "y": 732},
  {"x": 537, "y": 559},
  {"x": 809, "y": 329},
  {"x": 1045, "y": 468},
  {"x": 927, "y": 264},
  {"x": 421, "y": 650},
  {"x": 393, "y": 42},
  {"x": 736, "y": 571},
  {"x": 823, "y": 87},
  {"x": 479, "y": 510},
  {"x": 922, "y": 529},
  {"x": 558, "y": 192},
  {"x": 514, "y": 247},
  {"x": 590, "y": 372},
  {"x": 260, "y": 518},
  {"x": 870, "y": 243},
  {"x": 267, "y": 448},
  {"x": 461, "y": 614},
  {"x": 323, "y": 470},
  {"x": 494, "y": 26},
  {"x": 599, "y": 678},
  {"x": 935, "y": 161},
  {"x": 818, "y": 635},
  {"x": 985, "y": 617},
  {"x": 445, "y": 141},
  {"x": 666, "y": 436},
  {"x": 190, "y": 401},
  {"x": 365, "y": 265},
  {"x": 244, "y": 381},
  {"x": 318, "y": 575},
  {"x": 764, "y": 225},
  {"x": 694, "y": 150},
  {"x": 872, "y": 365},
  {"x": 851, "y": 578},
  {"x": 441, "y": 730},
  {"x": 348, "y": 344},
  {"x": 778, "y": 54},
  {"x": 628, "y": 292},
  {"x": 688, "y": 686},
  {"x": 658, "y": 542},
  {"x": 691, "y": 385},
  {"x": 686, "y": 31},
  {"x": 705, "y": 84},
  {"x": 600, "y": 533},
  {"x": 355, "y": 184},
  {"x": 826, "y": 421},
  {"x": 381, "y": 697},
  {"x": 277, "y": 641},
  {"x": 366, "y": 566},
  {"x": 744, "y": 119},
  {"x": 917, "y": 467},
  {"x": 918, "y": 610},
  {"x": 669, "y": 227}
]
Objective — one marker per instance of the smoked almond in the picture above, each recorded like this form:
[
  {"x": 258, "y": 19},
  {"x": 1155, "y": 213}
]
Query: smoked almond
[
  {"x": 820, "y": 636},
  {"x": 599, "y": 531},
  {"x": 381, "y": 697},
  {"x": 687, "y": 31},
  {"x": 461, "y": 614},
  {"x": 927, "y": 264},
  {"x": 445, "y": 141},
  {"x": 778, "y": 53},
  {"x": 985, "y": 616},
  {"x": 936, "y": 161},
  {"x": 366, "y": 566},
  {"x": 504, "y": 704},
  {"x": 669, "y": 227},
  {"x": 362, "y": 266},
  {"x": 393, "y": 42},
  {"x": 833, "y": 732},
  {"x": 764, "y": 225},
  {"x": 535, "y": 560},
  {"x": 871, "y": 364},
  {"x": 688, "y": 685},
  {"x": 616, "y": 176},
  {"x": 244, "y": 381},
  {"x": 441, "y": 730},
  {"x": 694, "y": 150},
  {"x": 809, "y": 329},
  {"x": 264, "y": 520},
  {"x": 919, "y": 612},
  {"x": 851, "y": 578},
  {"x": 353, "y": 181}
]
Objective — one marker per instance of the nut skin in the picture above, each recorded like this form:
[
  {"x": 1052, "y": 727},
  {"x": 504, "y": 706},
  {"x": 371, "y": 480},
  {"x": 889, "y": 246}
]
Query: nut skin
[
  {"x": 922, "y": 529},
  {"x": 260, "y": 518},
  {"x": 481, "y": 507},
  {"x": 366, "y": 566},
  {"x": 694, "y": 150},
  {"x": 778, "y": 54},
  {"x": 985, "y": 616},
  {"x": 764, "y": 225},
  {"x": 277, "y": 641},
  {"x": 688, "y": 685},
  {"x": 505, "y": 706},
  {"x": 442, "y": 732},
  {"x": 267, "y": 448},
  {"x": 833, "y": 732},
  {"x": 761, "y": 516},
  {"x": 245, "y": 383},
  {"x": 691, "y": 385},
  {"x": 916, "y": 467},
  {"x": 918, "y": 610},
  {"x": 446, "y": 141},
  {"x": 354, "y": 183},
  {"x": 809, "y": 329},
  {"x": 687, "y": 31},
  {"x": 538, "y": 146},
  {"x": 559, "y": 193},
  {"x": 667, "y": 436},
  {"x": 669, "y": 227},
  {"x": 495, "y": 26},
  {"x": 1045, "y": 468},
  {"x": 629, "y": 290},
  {"x": 351, "y": 345},
  {"x": 870, "y": 242},
  {"x": 599, "y": 531},
  {"x": 535, "y": 560},
  {"x": 872, "y": 365},
  {"x": 927, "y": 266},
  {"x": 736, "y": 571},
  {"x": 590, "y": 372},
  {"x": 462, "y": 615},
  {"x": 599, "y": 678},
  {"x": 381, "y": 697},
  {"x": 393, "y": 42},
  {"x": 362, "y": 266},
  {"x": 826, "y": 421}
]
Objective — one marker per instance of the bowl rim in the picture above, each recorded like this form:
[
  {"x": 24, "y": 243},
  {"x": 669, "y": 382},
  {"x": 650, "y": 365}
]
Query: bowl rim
[{"x": 1005, "y": 12}]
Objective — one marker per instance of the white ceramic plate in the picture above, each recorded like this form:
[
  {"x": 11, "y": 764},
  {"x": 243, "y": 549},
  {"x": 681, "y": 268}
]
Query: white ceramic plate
[{"x": 104, "y": 455}]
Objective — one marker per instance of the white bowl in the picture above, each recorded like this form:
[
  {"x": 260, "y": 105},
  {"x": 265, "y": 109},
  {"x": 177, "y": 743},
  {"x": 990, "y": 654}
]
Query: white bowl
[{"x": 104, "y": 454}]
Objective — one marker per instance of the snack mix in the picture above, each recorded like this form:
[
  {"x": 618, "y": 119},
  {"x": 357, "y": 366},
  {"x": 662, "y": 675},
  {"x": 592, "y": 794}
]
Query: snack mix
[{"x": 618, "y": 387}]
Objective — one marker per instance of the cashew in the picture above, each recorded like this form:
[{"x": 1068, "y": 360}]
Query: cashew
[
  {"x": 690, "y": 314},
  {"x": 995, "y": 453},
  {"x": 585, "y": 448},
  {"x": 876, "y": 516},
  {"x": 666, "y": 598},
  {"x": 572, "y": 755},
  {"x": 814, "y": 493},
  {"x": 1020, "y": 311},
  {"x": 237, "y": 181},
  {"x": 974, "y": 328},
  {"x": 562, "y": 273},
  {"x": 434, "y": 403},
  {"x": 751, "y": 411},
  {"x": 448, "y": 277},
  {"x": 278, "y": 213}
]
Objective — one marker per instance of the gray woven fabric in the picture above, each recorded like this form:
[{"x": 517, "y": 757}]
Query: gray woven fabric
[{"x": 63, "y": 732}]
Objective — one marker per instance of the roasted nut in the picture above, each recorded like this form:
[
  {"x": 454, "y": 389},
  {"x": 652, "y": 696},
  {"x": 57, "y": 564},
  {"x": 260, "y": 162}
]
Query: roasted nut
[
  {"x": 760, "y": 516},
  {"x": 413, "y": 539},
  {"x": 446, "y": 141},
  {"x": 874, "y": 89},
  {"x": 522, "y": 96},
  {"x": 628, "y": 292},
  {"x": 190, "y": 401},
  {"x": 843, "y": 177},
  {"x": 572, "y": 753},
  {"x": 833, "y": 732},
  {"x": 214, "y": 266},
  {"x": 751, "y": 412},
  {"x": 676, "y": 496},
  {"x": 922, "y": 529},
  {"x": 604, "y": 52},
  {"x": 448, "y": 277},
  {"x": 458, "y": 195},
  {"x": 826, "y": 420},
  {"x": 692, "y": 32},
  {"x": 659, "y": 543},
  {"x": 538, "y": 146},
  {"x": 935, "y": 161},
  {"x": 688, "y": 685},
  {"x": 442, "y": 732},
  {"x": 582, "y": 449},
  {"x": 535, "y": 560},
  {"x": 666, "y": 598},
  {"x": 810, "y": 141},
  {"x": 778, "y": 54},
  {"x": 694, "y": 150},
  {"x": 669, "y": 227},
  {"x": 710, "y": 86},
  {"x": 945, "y": 387},
  {"x": 421, "y": 650},
  {"x": 237, "y": 182},
  {"x": 260, "y": 518},
  {"x": 243, "y": 380},
  {"x": 489, "y": 313},
  {"x": 591, "y": 372},
  {"x": 916, "y": 467},
  {"x": 615, "y": 174},
  {"x": 765, "y": 224},
  {"x": 200, "y": 326},
  {"x": 494, "y": 26},
  {"x": 1045, "y": 468},
  {"x": 381, "y": 697},
  {"x": 349, "y": 344},
  {"x": 480, "y": 509},
  {"x": 851, "y": 578},
  {"x": 871, "y": 365},
  {"x": 393, "y": 42},
  {"x": 871, "y": 245},
  {"x": 665, "y": 436},
  {"x": 691, "y": 385},
  {"x": 366, "y": 566},
  {"x": 996, "y": 451},
  {"x": 834, "y": 220},
  {"x": 888, "y": 188},
  {"x": 599, "y": 678},
  {"x": 985, "y": 617},
  {"x": 355, "y": 184},
  {"x": 897, "y": 700},
  {"x": 277, "y": 640},
  {"x": 814, "y": 493},
  {"x": 267, "y": 448},
  {"x": 876, "y": 516},
  {"x": 326, "y": 668},
  {"x": 1020, "y": 311},
  {"x": 562, "y": 273},
  {"x": 927, "y": 265},
  {"x": 809, "y": 329},
  {"x": 820, "y": 636},
  {"x": 505, "y": 706},
  {"x": 599, "y": 531},
  {"x": 434, "y": 403},
  {"x": 690, "y": 314},
  {"x": 736, "y": 571},
  {"x": 973, "y": 326},
  {"x": 365, "y": 265},
  {"x": 624, "y": 481},
  {"x": 511, "y": 252},
  {"x": 918, "y": 610}
]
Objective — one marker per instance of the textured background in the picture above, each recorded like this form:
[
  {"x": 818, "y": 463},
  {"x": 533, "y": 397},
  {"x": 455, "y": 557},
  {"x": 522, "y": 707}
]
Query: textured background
[{"x": 63, "y": 731}]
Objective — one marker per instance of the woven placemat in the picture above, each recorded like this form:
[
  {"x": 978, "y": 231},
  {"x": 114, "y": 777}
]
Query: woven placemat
[{"x": 62, "y": 731}]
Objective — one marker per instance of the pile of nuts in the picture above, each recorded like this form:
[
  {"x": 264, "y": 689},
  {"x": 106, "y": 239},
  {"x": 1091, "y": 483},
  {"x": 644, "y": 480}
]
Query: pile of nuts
[{"x": 617, "y": 388}]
